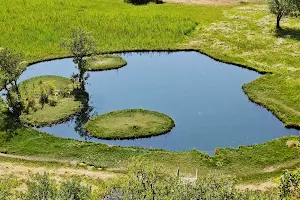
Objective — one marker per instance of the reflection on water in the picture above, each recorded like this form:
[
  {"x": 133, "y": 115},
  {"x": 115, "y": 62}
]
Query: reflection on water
[{"x": 203, "y": 96}]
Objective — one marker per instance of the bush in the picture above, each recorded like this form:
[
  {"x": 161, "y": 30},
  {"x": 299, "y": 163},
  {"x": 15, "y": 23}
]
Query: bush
[
  {"x": 53, "y": 101},
  {"x": 6, "y": 188},
  {"x": 142, "y": 2},
  {"x": 290, "y": 185},
  {"x": 41, "y": 187},
  {"x": 73, "y": 189}
]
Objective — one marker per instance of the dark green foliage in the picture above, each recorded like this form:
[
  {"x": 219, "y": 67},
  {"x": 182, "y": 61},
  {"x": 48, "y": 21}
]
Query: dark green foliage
[
  {"x": 11, "y": 67},
  {"x": 80, "y": 44},
  {"x": 142, "y": 2}
]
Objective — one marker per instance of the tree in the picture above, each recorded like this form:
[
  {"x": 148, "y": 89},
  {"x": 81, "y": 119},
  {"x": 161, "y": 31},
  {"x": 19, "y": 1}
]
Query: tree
[
  {"x": 283, "y": 8},
  {"x": 80, "y": 44},
  {"x": 11, "y": 67}
]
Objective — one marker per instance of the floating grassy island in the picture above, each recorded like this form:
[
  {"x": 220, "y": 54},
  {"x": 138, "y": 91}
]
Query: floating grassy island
[
  {"x": 104, "y": 62},
  {"x": 59, "y": 104},
  {"x": 129, "y": 124}
]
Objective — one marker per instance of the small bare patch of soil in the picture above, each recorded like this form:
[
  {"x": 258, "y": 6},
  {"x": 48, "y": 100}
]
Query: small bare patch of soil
[{"x": 259, "y": 187}]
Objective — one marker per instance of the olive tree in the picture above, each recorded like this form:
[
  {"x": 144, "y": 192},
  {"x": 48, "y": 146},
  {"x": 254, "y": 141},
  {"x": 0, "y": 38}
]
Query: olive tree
[
  {"x": 282, "y": 8},
  {"x": 11, "y": 67},
  {"x": 80, "y": 44}
]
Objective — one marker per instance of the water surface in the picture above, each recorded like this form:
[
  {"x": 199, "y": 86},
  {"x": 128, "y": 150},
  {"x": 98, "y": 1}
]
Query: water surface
[{"x": 203, "y": 96}]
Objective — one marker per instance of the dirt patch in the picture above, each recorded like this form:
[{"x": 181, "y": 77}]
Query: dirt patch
[
  {"x": 23, "y": 171},
  {"x": 212, "y": 2},
  {"x": 259, "y": 187}
]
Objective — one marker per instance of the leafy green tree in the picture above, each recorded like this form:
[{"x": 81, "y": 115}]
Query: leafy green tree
[
  {"x": 283, "y": 8},
  {"x": 11, "y": 67},
  {"x": 80, "y": 44}
]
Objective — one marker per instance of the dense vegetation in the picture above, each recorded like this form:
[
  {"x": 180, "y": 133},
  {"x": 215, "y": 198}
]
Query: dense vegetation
[{"x": 128, "y": 124}]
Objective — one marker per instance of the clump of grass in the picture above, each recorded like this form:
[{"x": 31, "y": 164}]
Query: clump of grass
[
  {"x": 128, "y": 124},
  {"x": 60, "y": 103},
  {"x": 292, "y": 143},
  {"x": 104, "y": 62}
]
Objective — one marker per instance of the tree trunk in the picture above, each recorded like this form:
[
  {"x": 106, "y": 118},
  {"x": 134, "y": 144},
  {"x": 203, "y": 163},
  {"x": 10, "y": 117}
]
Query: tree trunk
[
  {"x": 278, "y": 21},
  {"x": 20, "y": 104}
]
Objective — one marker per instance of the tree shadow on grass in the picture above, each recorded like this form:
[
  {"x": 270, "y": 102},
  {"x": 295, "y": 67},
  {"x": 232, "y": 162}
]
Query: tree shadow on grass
[
  {"x": 291, "y": 33},
  {"x": 9, "y": 123}
]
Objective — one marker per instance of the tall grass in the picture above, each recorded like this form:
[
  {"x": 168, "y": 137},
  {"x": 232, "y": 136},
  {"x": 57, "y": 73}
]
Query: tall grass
[{"x": 37, "y": 27}]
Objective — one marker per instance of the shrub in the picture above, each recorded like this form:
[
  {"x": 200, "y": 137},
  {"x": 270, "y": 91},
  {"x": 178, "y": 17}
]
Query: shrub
[
  {"x": 41, "y": 187},
  {"x": 141, "y": 2},
  {"x": 53, "y": 101},
  {"x": 6, "y": 188},
  {"x": 290, "y": 185},
  {"x": 74, "y": 190},
  {"x": 292, "y": 143}
]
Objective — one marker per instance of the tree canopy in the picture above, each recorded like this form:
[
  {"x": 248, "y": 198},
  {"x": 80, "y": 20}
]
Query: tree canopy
[{"x": 282, "y": 8}]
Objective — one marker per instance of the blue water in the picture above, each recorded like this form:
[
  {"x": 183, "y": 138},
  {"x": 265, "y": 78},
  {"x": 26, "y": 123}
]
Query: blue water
[{"x": 203, "y": 96}]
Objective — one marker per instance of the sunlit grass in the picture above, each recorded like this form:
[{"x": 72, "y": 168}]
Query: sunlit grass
[
  {"x": 104, "y": 62},
  {"x": 280, "y": 94},
  {"x": 38, "y": 27},
  {"x": 129, "y": 124},
  {"x": 247, "y": 36}
]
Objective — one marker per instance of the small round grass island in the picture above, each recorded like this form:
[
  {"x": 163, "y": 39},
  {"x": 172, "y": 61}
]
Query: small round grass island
[
  {"x": 104, "y": 62},
  {"x": 59, "y": 103},
  {"x": 129, "y": 124}
]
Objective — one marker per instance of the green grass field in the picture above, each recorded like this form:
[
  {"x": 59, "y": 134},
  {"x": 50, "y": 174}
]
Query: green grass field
[
  {"x": 38, "y": 27},
  {"x": 129, "y": 124},
  {"x": 243, "y": 35}
]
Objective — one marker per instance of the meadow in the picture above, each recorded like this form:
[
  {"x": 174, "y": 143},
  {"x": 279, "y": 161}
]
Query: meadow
[
  {"x": 244, "y": 35},
  {"x": 38, "y": 28}
]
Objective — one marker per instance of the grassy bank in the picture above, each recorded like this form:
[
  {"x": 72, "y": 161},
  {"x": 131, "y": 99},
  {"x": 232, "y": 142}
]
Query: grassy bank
[
  {"x": 254, "y": 163},
  {"x": 280, "y": 94},
  {"x": 129, "y": 124}
]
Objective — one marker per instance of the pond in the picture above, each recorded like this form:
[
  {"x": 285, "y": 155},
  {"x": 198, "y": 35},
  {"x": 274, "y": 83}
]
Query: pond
[{"x": 203, "y": 96}]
